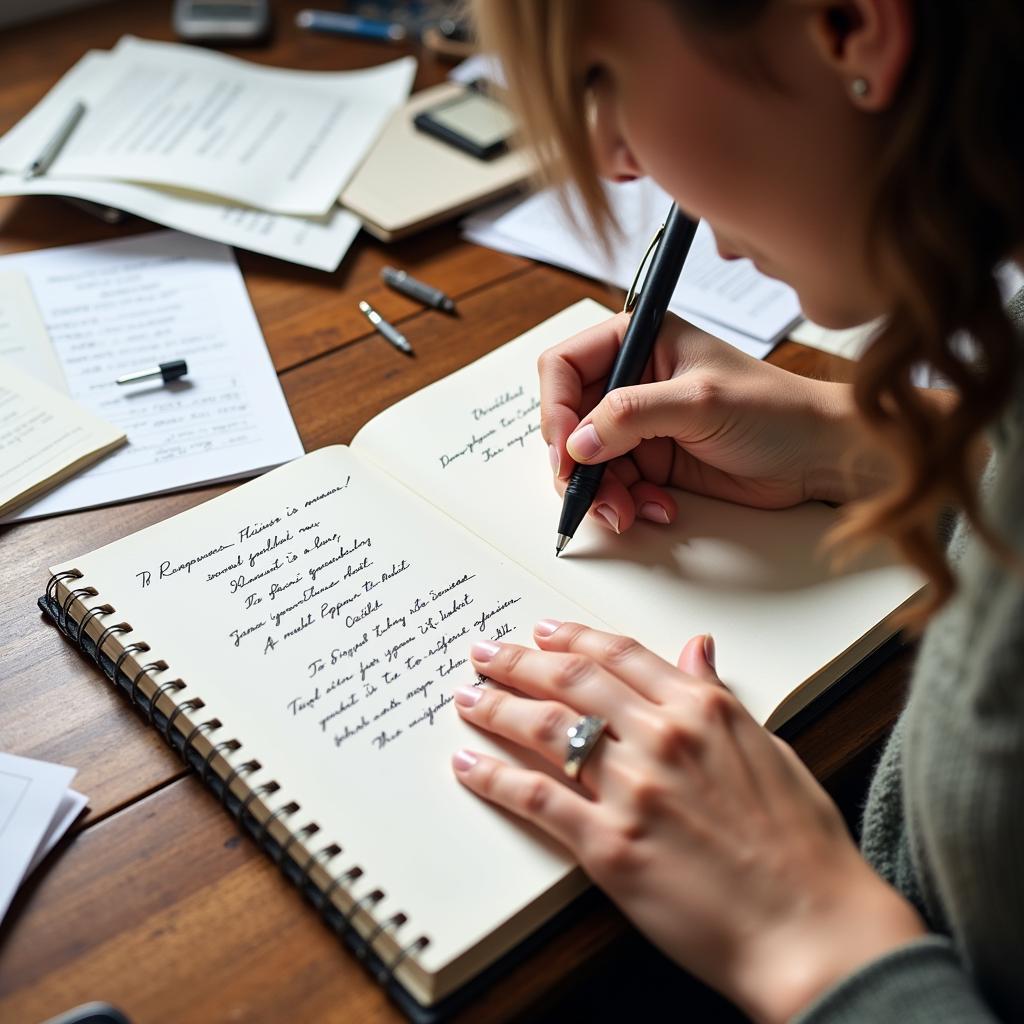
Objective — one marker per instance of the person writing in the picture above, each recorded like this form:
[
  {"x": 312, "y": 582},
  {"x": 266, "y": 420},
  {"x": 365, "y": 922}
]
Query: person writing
[{"x": 864, "y": 152}]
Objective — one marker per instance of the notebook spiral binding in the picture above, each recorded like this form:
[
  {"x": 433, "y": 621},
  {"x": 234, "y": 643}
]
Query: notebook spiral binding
[{"x": 183, "y": 743}]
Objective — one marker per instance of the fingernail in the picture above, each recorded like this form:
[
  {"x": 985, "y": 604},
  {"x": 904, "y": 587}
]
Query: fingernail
[
  {"x": 553, "y": 456},
  {"x": 467, "y": 696},
  {"x": 464, "y": 760},
  {"x": 484, "y": 650},
  {"x": 653, "y": 512},
  {"x": 607, "y": 513},
  {"x": 546, "y": 627},
  {"x": 584, "y": 443},
  {"x": 709, "y": 649}
]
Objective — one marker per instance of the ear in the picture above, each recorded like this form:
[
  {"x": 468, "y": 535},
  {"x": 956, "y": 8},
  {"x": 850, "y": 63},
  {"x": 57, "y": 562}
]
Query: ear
[{"x": 868, "y": 44}]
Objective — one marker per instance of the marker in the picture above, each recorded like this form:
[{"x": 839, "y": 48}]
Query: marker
[
  {"x": 392, "y": 333},
  {"x": 173, "y": 370},
  {"x": 418, "y": 290}
]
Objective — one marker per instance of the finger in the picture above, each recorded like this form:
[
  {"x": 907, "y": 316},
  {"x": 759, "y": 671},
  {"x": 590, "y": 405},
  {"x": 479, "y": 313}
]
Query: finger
[
  {"x": 566, "y": 369},
  {"x": 642, "y": 670},
  {"x": 680, "y": 408},
  {"x": 653, "y": 503},
  {"x": 540, "y": 725},
  {"x": 697, "y": 658},
  {"x": 574, "y": 679},
  {"x": 532, "y": 795}
]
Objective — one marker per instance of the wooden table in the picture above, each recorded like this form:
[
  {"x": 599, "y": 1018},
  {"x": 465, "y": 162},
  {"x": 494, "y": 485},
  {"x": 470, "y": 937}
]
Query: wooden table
[{"x": 156, "y": 902}]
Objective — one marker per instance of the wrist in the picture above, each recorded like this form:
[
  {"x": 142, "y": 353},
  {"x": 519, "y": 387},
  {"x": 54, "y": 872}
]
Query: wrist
[
  {"x": 820, "y": 946},
  {"x": 845, "y": 465}
]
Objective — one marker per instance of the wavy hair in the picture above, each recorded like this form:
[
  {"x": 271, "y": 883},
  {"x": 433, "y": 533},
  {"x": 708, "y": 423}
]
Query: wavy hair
[{"x": 947, "y": 207}]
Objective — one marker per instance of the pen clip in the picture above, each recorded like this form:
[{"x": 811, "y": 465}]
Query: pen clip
[{"x": 634, "y": 289}]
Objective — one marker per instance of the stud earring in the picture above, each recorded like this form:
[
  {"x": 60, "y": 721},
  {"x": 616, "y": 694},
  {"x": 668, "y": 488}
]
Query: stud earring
[{"x": 859, "y": 87}]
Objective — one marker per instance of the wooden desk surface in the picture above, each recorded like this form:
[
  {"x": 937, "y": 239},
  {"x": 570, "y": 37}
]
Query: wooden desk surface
[{"x": 156, "y": 903}]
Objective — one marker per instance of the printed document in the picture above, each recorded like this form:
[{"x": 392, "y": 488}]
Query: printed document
[{"x": 116, "y": 307}]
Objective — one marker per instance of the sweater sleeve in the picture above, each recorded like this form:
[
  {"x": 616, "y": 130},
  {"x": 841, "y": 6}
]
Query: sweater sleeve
[{"x": 920, "y": 983}]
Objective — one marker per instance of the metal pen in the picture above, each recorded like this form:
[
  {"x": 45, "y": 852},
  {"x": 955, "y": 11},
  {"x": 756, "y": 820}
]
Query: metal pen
[
  {"x": 670, "y": 247},
  {"x": 42, "y": 163},
  {"x": 418, "y": 290},
  {"x": 389, "y": 331},
  {"x": 343, "y": 24}
]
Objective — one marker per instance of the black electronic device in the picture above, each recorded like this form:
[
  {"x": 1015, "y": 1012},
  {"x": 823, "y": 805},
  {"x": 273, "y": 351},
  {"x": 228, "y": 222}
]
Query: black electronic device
[{"x": 473, "y": 121}]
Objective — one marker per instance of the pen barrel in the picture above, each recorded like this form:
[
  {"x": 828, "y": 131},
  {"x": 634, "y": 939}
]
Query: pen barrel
[
  {"x": 419, "y": 290},
  {"x": 394, "y": 336},
  {"x": 579, "y": 495},
  {"x": 655, "y": 295}
]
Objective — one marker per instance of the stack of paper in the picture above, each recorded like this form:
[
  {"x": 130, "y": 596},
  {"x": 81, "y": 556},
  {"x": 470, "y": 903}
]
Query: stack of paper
[
  {"x": 83, "y": 315},
  {"x": 37, "y": 806},
  {"x": 248, "y": 155},
  {"x": 728, "y": 298}
]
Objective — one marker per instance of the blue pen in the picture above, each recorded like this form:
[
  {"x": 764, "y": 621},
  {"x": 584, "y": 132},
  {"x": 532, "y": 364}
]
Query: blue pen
[{"x": 350, "y": 25}]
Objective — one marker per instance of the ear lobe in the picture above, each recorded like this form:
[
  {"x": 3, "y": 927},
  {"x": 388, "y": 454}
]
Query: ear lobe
[{"x": 868, "y": 45}]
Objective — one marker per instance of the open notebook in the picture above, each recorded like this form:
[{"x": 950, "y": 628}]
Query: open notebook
[{"x": 303, "y": 635}]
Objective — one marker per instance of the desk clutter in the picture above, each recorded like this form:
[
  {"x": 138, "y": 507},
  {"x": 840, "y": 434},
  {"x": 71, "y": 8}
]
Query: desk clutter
[
  {"x": 219, "y": 147},
  {"x": 80, "y": 316}
]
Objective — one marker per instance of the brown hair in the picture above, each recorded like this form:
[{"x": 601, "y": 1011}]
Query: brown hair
[{"x": 948, "y": 206}]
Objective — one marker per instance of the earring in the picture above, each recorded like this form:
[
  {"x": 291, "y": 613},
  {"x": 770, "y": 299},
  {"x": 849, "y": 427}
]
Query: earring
[{"x": 859, "y": 87}]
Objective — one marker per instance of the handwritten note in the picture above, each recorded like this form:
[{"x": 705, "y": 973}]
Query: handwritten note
[{"x": 366, "y": 635}]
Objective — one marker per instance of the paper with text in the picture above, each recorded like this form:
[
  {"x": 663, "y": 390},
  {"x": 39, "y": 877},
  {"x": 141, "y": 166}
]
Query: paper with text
[
  {"x": 23, "y": 337},
  {"x": 728, "y": 298},
  {"x": 758, "y": 581},
  {"x": 115, "y": 307},
  {"x": 44, "y": 437},
  {"x": 167, "y": 114},
  {"x": 325, "y": 614}
]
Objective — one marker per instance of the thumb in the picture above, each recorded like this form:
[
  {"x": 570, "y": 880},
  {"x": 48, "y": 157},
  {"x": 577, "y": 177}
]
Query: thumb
[
  {"x": 697, "y": 658},
  {"x": 624, "y": 418}
]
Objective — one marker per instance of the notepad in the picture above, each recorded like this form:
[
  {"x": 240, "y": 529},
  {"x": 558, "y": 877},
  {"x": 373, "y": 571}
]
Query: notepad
[
  {"x": 305, "y": 633},
  {"x": 45, "y": 438}
]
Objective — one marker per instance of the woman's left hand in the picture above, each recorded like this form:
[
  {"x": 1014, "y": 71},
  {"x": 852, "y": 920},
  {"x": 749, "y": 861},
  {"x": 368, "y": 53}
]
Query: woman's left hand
[{"x": 707, "y": 831}]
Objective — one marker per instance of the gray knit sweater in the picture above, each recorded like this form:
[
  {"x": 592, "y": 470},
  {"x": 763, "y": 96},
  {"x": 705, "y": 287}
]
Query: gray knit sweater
[{"x": 945, "y": 816}]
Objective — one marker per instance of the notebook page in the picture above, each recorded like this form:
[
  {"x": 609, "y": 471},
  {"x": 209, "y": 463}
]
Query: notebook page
[
  {"x": 324, "y": 614},
  {"x": 756, "y": 580}
]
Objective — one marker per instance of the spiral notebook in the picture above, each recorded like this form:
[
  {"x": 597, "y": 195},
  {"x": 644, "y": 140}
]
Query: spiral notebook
[{"x": 298, "y": 640}]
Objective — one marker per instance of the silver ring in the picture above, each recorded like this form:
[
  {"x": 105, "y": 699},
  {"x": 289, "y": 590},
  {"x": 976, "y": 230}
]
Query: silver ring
[{"x": 581, "y": 738}]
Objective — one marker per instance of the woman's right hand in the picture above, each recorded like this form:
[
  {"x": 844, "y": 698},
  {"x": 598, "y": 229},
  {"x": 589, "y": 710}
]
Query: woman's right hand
[{"x": 707, "y": 418}]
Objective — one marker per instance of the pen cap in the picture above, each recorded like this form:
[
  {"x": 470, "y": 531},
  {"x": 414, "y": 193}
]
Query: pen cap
[{"x": 173, "y": 370}]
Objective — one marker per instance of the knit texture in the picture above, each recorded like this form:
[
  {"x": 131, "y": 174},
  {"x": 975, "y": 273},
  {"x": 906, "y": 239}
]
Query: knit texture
[{"x": 944, "y": 822}]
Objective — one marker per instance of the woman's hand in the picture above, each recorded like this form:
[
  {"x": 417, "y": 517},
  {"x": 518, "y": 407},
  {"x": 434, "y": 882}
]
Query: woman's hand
[
  {"x": 707, "y": 419},
  {"x": 708, "y": 832}
]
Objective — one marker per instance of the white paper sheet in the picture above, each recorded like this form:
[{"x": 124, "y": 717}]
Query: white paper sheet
[
  {"x": 755, "y": 310},
  {"x": 115, "y": 307},
  {"x": 31, "y": 793},
  {"x": 23, "y": 336},
  {"x": 166, "y": 114}
]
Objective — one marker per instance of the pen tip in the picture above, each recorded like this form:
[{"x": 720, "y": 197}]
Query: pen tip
[{"x": 560, "y": 544}]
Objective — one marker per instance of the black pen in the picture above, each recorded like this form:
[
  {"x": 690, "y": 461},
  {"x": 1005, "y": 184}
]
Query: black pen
[{"x": 673, "y": 244}]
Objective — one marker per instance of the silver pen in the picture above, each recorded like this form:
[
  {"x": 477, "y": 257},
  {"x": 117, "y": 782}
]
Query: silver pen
[
  {"x": 51, "y": 150},
  {"x": 392, "y": 333}
]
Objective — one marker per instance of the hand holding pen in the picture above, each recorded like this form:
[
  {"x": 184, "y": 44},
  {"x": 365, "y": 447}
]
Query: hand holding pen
[{"x": 670, "y": 249}]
